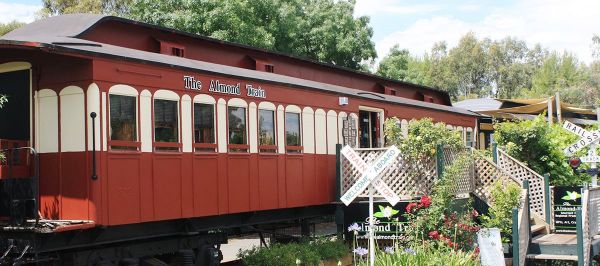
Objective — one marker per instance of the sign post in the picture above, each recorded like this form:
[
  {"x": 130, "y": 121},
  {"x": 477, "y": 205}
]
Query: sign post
[
  {"x": 588, "y": 138},
  {"x": 370, "y": 179}
]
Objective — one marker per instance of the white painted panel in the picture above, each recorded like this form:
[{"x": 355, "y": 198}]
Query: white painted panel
[
  {"x": 72, "y": 119},
  {"x": 166, "y": 95},
  {"x": 146, "y": 120},
  {"x": 204, "y": 98},
  {"x": 237, "y": 102},
  {"x": 267, "y": 106},
  {"x": 252, "y": 116},
  {"x": 93, "y": 105},
  {"x": 332, "y": 132},
  {"x": 320, "y": 131},
  {"x": 104, "y": 123},
  {"x": 186, "y": 123},
  {"x": 125, "y": 90},
  {"x": 293, "y": 109},
  {"x": 404, "y": 125},
  {"x": 341, "y": 117},
  {"x": 222, "y": 125},
  {"x": 281, "y": 129},
  {"x": 47, "y": 121},
  {"x": 308, "y": 130}
]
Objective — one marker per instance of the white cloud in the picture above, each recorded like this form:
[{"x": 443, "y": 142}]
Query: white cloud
[
  {"x": 555, "y": 24},
  {"x": 18, "y": 12},
  {"x": 369, "y": 8}
]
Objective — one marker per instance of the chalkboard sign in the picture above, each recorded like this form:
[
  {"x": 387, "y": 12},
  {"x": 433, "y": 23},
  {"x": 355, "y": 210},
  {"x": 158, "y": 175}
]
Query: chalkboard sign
[{"x": 567, "y": 200}]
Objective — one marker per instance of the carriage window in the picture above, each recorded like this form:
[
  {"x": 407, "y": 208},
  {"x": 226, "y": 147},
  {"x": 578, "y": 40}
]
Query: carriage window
[
  {"x": 266, "y": 133},
  {"x": 123, "y": 118},
  {"x": 166, "y": 121},
  {"x": 292, "y": 131},
  {"x": 204, "y": 123},
  {"x": 237, "y": 126},
  {"x": 469, "y": 137}
]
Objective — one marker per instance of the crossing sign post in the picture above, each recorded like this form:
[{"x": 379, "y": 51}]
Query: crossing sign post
[
  {"x": 588, "y": 138},
  {"x": 370, "y": 178}
]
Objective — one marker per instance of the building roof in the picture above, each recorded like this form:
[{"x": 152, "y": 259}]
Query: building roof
[
  {"x": 61, "y": 34},
  {"x": 481, "y": 104}
]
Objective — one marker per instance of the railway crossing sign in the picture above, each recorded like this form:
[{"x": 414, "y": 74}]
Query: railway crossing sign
[
  {"x": 588, "y": 138},
  {"x": 370, "y": 175},
  {"x": 370, "y": 178}
]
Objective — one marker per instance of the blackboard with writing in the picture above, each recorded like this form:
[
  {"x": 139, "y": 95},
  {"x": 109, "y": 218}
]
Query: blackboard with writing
[{"x": 567, "y": 200}]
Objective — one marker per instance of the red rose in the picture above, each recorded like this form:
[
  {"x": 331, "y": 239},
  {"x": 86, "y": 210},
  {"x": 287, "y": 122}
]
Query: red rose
[
  {"x": 410, "y": 207},
  {"x": 434, "y": 235},
  {"x": 425, "y": 202},
  {"x": 474, "y": 213}
]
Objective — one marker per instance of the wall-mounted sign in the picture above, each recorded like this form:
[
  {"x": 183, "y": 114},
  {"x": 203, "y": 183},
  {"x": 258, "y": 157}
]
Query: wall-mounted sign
[
  {"x": 255, "y": 92},
  {"x": 217, "y": 86},
  {"x": 192, "y": 83},
  {"x": 349, "y": 131},
  {"x": 567, "y": 200}
]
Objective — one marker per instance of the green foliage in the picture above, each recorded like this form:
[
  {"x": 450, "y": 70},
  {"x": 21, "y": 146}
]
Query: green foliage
[
  {"x": 58, "y": 7},
  {"x": 322, "y": 30},
  {"x": 423, "y": 137},
  {"x": 308, "y": 253},
  {"x": 505, "y": 197},
  {"x": 426, "y": 255},
  {"x": 8, "y": 27},
  {"x": 540, "y": 146}
]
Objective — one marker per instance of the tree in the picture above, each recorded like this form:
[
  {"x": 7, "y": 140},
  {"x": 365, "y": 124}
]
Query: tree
[
  {"x": 395, "y": 64},
  {"x": 322, "y": 30},
  {"x": 58, "y": 7},
  {"x": 8, "y": 27}
]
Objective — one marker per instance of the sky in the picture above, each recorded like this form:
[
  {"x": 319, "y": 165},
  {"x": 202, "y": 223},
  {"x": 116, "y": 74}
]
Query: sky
[{"x": 561, "y": 25}]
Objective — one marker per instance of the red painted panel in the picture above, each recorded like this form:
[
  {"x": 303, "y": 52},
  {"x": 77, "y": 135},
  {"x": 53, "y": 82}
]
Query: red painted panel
[
  {"x": 206, "y": 185},
  {"x": 293, "y": 177},
  {"x": 187, "y": 186},
  {"x": 73, "y": 186},
  {"x": 223, "y": 184},
  {"x": 309, "y": 181},
  {"x": 167, "y": 186},
  {"x": 322, "y": 178},
  {"x": 147, "y": 187},
  {"x": 268, "y": 188},
  {"x": 281, "y": 187},
  {"x": 123, "y": 189},
  {"x": 49, "y": 185},
  {"x": 254, "y": 183},
  {"x": 238, "y": 177}
]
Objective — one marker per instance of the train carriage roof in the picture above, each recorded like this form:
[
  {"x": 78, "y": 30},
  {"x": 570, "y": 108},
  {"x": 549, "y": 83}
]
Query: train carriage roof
[{"x": 61, "y": 33}]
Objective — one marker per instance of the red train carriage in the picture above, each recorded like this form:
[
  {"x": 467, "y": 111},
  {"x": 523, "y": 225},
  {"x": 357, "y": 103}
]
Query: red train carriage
[{"x": 149, "y": 137}]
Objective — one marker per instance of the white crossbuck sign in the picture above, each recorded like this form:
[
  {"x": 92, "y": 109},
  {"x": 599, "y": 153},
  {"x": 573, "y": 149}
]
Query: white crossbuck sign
[
  {"x": 370, "y": 175},
  {"x": 587, "y": 138}
]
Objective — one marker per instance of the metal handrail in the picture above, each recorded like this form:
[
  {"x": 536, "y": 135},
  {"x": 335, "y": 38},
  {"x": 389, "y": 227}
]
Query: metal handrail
[{"x": 35, "y": 177}]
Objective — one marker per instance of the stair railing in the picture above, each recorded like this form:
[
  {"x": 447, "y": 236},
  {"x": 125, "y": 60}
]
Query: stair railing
[{"x": 521, "y": 229}]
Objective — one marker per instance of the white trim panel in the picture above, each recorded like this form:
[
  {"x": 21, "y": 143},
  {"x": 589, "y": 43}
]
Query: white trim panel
[
  {"x": 72, "y": 119},
  {"x": 222, "y": 125},
  {"x": 320, "y": 132},
  {"x": 186, "y": 123},
  {"x": 146, "y": 120},
  {"x": 332, "y": 132},
  {"x": 308, "y": 130},
  {"x": 253, "y": 127},
  {"x": 93, "y": 105},
  {"x": 46, "y": 121}
]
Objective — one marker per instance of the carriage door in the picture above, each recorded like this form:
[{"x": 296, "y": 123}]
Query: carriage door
[
  {"x": 15, "y": 117},
  {"x": 369, "y": 127}
]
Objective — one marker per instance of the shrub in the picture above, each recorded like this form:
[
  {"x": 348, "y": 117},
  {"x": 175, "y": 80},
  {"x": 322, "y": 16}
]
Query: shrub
[
  {"x": 306, "y": 252},
  {"x": 505, "y": 197},
  {"x": 426, "y": 255},
  {"x": 540, "y": 146}
]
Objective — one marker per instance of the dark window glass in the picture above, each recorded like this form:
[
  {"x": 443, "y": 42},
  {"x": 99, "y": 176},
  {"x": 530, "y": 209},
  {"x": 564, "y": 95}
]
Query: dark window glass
[
  {"x": 165, "y": 121},
  {"x": 237, "y": 125},
  {"x": 292, "y": 129},
  {"x": 266, "y": 125},
  {"x": 204, "y": 123},
  {"x": 123, "y": 118}
]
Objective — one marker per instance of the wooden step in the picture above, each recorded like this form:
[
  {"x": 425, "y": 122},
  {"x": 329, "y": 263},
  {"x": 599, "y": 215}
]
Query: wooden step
[
  {"x": 537, "y": 229},
  {"x": 551, "y": 257},
  {"x": 554, "y": 244}
]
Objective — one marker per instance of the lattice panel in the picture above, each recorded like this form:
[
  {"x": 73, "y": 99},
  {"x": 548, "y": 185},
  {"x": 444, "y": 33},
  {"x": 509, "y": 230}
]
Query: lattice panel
[
  {"x": 407, "y": 180},
  {"x": 465, "y": 184},
  {"x": 521, "y": 172},
  {"x": 486, "y": 173},
  {"x": 594, "y": 210}
]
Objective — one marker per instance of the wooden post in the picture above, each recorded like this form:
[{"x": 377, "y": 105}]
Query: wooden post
[
  {"x": 558, "y": 109},
  {"x": 580, "y": 247},
  {"x": 338, "y": 171},
  {"x": 550, "y": 112},
  {"x": 547, "y": 199},
  {"x": 495, "y": 152},
  {"x": 515, "y": 236},
  {"x": 598, "y": 115}
]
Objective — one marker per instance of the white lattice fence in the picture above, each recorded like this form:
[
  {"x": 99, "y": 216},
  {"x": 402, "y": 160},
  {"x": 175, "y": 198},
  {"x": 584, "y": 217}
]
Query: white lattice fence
[
  {"x": 486, "y": 174},
  {"x": 406, "y": 179},
  {"x": 594, "y": 210},
  {"x": 521, "y": 172},
  {"x": 466, "y": 183}
]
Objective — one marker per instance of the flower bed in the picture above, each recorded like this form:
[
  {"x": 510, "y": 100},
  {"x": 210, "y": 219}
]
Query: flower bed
[{"x": 316, "y": 252}]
